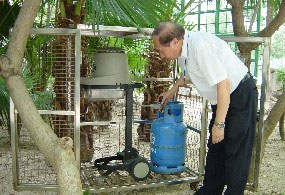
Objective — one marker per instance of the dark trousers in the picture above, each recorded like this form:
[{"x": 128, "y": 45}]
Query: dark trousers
[{"x": 227, "y": 162}]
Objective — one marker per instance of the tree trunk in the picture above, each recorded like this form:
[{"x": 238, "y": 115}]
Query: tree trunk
[
  {"x": 245, "y": 49},
  {"x": 273, "y": 118},
  {"x": 240, "y": 31},
  {"x": 57, "y": 151},
  {"x": 269, "y": 125}
]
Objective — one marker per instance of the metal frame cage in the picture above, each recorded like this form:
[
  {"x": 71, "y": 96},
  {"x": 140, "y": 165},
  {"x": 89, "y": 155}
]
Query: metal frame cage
[{"x": 32, "y": 172}]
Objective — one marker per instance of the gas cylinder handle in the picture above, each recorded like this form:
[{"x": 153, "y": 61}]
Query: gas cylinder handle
[{"x": 175, "y": 112}]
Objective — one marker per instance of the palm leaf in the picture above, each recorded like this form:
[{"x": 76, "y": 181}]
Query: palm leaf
[
  {"x": 135, "y": 13},
  {"x": 4, "y": 104}
]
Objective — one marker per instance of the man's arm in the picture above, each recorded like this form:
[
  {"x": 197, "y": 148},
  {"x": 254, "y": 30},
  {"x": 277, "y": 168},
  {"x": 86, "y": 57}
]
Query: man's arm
[
  {"x": 167, "y": 95},
  {"x": 223, "y": 101}
]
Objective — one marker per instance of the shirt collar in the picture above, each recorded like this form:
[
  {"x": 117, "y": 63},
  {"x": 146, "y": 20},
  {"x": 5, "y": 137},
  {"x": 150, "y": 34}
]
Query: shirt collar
[{"x": 184, "y": 53}]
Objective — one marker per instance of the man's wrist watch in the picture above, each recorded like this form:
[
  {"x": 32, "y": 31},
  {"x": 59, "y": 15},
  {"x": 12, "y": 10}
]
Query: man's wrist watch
[{"x": 220, "y": 125}]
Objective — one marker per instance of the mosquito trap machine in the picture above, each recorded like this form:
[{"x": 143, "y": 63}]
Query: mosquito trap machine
[{"x": 110, "y": 80}]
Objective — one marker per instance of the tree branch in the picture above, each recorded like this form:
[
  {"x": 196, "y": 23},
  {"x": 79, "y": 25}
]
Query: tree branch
[
  {"x": 274, "y": 116},
  {"x": 254, "y": 16},
  {"x": 238, "y": 18},
  {"x": 273, "y": 26},
  {"x": 236, "y": 2},
  {"x": 22, "y": 27},
  {"x": 231, "y": 2}
]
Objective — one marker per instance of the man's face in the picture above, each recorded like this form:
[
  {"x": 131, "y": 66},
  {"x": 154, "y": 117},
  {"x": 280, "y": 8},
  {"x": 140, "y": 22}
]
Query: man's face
[{"x": 171, "y": 51}]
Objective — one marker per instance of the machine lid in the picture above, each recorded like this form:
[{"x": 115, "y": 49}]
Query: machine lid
[{"x": 109, "y": 50}]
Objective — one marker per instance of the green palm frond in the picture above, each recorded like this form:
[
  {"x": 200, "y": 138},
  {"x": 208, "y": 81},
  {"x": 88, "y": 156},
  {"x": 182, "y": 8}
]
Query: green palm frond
[
  {"x": 42, "y": 99},
  {"x": 136, "y": 13},
  {"x": 4, "y": 104}
]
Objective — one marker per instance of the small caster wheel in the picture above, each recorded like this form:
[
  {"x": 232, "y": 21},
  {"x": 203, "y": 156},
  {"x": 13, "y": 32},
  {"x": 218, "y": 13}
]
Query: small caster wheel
[{"x": 140, "y": 169}]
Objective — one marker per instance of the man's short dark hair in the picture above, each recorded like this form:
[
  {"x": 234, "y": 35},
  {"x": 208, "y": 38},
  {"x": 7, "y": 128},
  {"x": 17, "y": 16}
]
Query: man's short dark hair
[{"x": 167, "y": 31}]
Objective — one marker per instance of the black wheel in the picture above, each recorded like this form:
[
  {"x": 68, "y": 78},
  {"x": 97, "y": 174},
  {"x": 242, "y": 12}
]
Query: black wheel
[{"x": 140, "y": 169}]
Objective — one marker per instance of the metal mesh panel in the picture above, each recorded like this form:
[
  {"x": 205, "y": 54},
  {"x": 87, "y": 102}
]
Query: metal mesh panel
[
  {"x": 63, "y": 72},
  {"x": 5, "y": 159},
  {"x": 33, "y": 168},
  {"x": 193, "y": 108},
  {"x": 50, "y": 63}
]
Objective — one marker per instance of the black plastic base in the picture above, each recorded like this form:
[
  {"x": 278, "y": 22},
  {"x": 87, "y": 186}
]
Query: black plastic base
[{"x": 124, "y": 161}]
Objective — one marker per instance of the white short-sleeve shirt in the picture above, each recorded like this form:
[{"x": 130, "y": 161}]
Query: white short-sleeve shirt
[{"x": 208, "y": 60}]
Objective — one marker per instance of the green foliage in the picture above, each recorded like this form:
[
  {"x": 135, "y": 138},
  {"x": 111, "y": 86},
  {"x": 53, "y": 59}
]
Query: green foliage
[
  {"x": 278, "y": 44},
  {"x": 135, "y": 13},
  {"x": 42, "y": 99},
  {"x": 39, "y": 60},
  {"x": 86, "y": 192},
  {"x": 280, "y": 77},
  {"x": 136, "y": 49},
  {"x": 8, "y": 15},
  {"x": 275, "y": 5},
  {"x": 4, "y": 104}
]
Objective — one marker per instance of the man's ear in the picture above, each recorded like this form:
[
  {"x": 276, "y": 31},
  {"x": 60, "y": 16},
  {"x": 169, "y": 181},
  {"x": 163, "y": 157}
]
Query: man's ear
[{"x": 174, "y": 41}]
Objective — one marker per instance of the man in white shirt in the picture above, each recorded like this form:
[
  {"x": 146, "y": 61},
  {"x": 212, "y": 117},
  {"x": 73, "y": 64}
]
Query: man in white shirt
[{"x": 221, "y": 78}]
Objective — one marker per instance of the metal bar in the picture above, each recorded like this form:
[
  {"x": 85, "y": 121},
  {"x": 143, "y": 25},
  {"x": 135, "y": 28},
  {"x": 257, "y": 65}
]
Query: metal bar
[
  {"x": 145, "y": 185},
  {"x": 143, "y": 121},
  {"x": 261, "y": 113},
  {"x": 54, "y": 31},
  {"x": 256, "y": 57},
  {"x": 37, "y": 187},
  {"x": 217, "y": 17},
  {"x": 98, "y": 123},
  {"x": 152, "y": 79},
  {"x": 182, "y": 4},
  {"x": 199, "y": 16},
  {"x": 243, "y": 39},
  {"x": 258, "y": 19},
  {"x": 14, "y": 145},
  {"x": 114, "y": 28},
  {"x": 77, "y": 97},
  {"x": 90, "y": 33},
  {"x": 193, "y": 129},
  {"x": 57, "y": 112},
  {"x": 114, "y": 31},
  {"x": 203, "y": 137},
  {"x": 175, "y": 70},
  {"x": 129, "y": 115}
]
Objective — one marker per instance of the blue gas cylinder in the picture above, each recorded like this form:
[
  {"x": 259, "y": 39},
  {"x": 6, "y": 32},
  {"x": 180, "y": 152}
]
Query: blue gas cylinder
[{"x": 168, "y": 140}]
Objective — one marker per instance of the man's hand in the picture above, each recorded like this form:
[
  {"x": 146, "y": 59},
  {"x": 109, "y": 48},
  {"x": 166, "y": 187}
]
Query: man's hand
[
  {"x": 217, "y": 134},
  {"x": 166, "y": 96}
]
